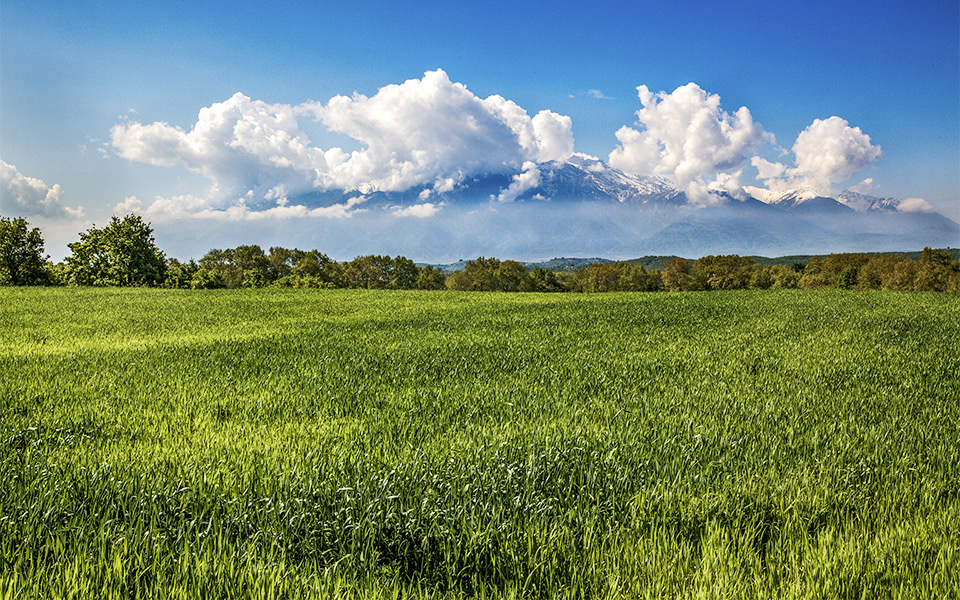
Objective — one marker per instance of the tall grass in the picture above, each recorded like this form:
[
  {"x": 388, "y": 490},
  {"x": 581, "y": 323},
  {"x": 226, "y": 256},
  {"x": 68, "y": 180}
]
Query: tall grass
[{"x": 314, "y": 444}]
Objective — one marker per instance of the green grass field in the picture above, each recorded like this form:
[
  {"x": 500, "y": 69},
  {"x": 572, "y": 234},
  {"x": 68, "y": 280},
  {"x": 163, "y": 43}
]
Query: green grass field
[{"x": 315, "y": 444}]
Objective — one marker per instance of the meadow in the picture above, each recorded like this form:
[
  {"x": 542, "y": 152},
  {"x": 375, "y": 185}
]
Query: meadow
[{"x": 284, "y": 443}]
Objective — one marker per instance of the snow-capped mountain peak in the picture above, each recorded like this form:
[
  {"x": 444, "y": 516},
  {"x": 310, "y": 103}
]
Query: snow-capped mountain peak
[
  {"x": 590, "y": 178},
  {"x": 796, "y": 197},
  {"x": 805, "y": 195},
  {"x": 863, "y": 203}
]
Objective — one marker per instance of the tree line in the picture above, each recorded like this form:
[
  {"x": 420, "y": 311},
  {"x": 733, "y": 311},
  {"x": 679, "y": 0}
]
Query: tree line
[{"x": 124, "y": 253}]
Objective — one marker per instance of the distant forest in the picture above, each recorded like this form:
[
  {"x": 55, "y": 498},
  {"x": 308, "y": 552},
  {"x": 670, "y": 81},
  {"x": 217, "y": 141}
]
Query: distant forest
[{"x": 124, "y": 253}]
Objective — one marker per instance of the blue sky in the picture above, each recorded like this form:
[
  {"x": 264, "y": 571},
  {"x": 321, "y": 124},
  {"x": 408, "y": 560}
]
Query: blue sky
[{"x": 71, "y": 72}]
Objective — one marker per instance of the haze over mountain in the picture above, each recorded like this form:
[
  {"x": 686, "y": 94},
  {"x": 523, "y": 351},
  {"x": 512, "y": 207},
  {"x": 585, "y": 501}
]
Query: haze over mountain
[{"x": 584, "y": 207}]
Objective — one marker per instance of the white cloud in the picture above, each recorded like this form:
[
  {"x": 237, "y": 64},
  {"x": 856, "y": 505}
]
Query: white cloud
[
  {"x": 864, "y": 187},
  {"x": 431, "y": 128},
  {"x": 767, "y": 169},
  {"x": 426, "y": 209},
  {"x": 729, "y": 183},
  {"x": 188, "y": 206},
  {"x": 423, "y": 131},
  {"x": 130, "y": 204},
  {"x": 829, "y": 151},
  {"x": 166, "y": 209},
  {"x": 686, "y": 136},
  {"x": 29, "y": 196},
  {"x": 443, "y": 186},
  {"x": 440, "y": 186},
  {"x": 826, "y": 153},
  {"x": 915, "y": 205},
  {"x": 598, "y": 95},
  {"x": 527, "y": 179},
  {"x": 554, "y": 135},
  {"x": 241, "y": 145}
]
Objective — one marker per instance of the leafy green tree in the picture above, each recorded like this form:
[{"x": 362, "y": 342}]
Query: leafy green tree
[
  {"x": 637, "y": 278},
  {"x": 372, "y": 271},
  {"x": 430, "y": 278},
  {"x": 509, "y": 276},
  {"x": 402, "y": 274},
  {"x": 254, "y": 278},
  {"x": 783, "y": 277},
  {"x": 871, "y": 274},
  {"x": 482, "y": 274},
  {"x": 253, "y": 265},
  {"x": 813, "y": 275},
  {"x": 180, "y": 275},
  {"x": 251, "y": 258},
  {"x": 541, "y": 280},
  {"x": 953, "y": 277},
  {"x": 935, "y": 256},
  {"x": 848, "y": 278},
  {"x": 723, "y": 272},
  {"x": 602, "y": 277},
  {"x": 676, "y": 275},
  {"x": 317, "y": 265},
  {"x": 21, "y": 254},
  {"x": 903, "y": 276},
  {"x": 207, "y": 279},
  {"x": 245, "y": 266},
  {"x": 825, "y": 272},
  {"x": 459, "y": 281},
  {"x": 218, "y": 269},
  {"x": 931, "y": 276},
  {"x": 281, "y": 262},
  {"x": 122, "y": 253}
]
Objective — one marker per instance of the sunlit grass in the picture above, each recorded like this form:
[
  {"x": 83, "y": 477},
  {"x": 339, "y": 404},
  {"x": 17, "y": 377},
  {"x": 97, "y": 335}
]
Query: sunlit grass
[{"x": 297, "y": 443}]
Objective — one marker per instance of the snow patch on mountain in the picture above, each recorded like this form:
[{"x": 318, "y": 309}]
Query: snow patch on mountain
[
  {"x": 588, "y": 178},
  {"x": 863, "y": 202},
  {"x": 789, "y": 199},
  {"x": 805, "y": 195}
]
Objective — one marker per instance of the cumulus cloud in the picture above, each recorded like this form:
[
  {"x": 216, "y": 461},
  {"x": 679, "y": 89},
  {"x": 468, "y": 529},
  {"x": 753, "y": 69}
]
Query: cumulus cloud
[
  {"x": 730, "y": 184},
  {"x": 527, "y": 179},
  {"x": 423, "y": 210},
  {"x": 826, "y": 153},
  {"x": 29, "y": 196},
  {"x": 130, "y": 204},
  {"x": 686, "y": 136},
  {"x": 431, "y": 128},
  {"x": 915, "y": 205},
  {"x": 242, "y": 145},
  {"x": 767, "y": 169},
  {"x": 188, "y": 206},
  {"x": 421, "y": 132},
  {"x": 830, "y": 151},
  {"x": 554, "y": 135},
  {"x": 864, "y": 187}
]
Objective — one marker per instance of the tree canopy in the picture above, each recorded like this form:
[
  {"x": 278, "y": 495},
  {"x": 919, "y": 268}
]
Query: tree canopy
[
  {"x": 21, "y": 253},
  {"x": 123, "y": 253}
]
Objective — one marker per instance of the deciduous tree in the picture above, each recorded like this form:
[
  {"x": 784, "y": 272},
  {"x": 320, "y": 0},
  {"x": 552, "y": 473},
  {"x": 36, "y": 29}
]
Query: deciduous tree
[
  {"x": 122, "y": 253},
  {"x": 21, "y": 254}
]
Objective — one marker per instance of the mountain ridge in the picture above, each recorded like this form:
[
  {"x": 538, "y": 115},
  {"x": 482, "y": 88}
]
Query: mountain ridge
[{"x": 585, "y": 207}]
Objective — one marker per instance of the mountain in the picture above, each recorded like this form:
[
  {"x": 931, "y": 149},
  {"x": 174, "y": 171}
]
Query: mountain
[
  {"x": 808, "y": 201},
  {"x": 586, "y": 178},
  {"x": 863, "y": 203},
  {"x": 584, "y": 207}
]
